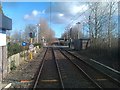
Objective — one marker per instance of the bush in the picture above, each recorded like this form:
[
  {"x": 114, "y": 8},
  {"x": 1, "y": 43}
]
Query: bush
[
  {"x": 14, "y": 48},
  {"x": 12, "y": 65},
  {"x": 22, "y": 54}
]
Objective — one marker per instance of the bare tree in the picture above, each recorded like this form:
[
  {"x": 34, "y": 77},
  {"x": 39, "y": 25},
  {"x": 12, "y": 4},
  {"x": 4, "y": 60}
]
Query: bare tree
[
  {"x": 101, "y": 23},
  {"x": 16, "y": 36},
  {"x": 45, "y": 31}
]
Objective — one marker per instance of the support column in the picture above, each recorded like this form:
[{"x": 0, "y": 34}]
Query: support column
[
  {"x": 0, "y": 63},
  {"x": 3, "y": 62}
]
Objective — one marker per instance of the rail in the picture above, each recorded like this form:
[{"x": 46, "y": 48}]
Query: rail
[
  {"x": 41, "y": 67},
  {"x": 111, "y": 78},
  {"x": 58, "y": 69},
  {"x": 93, "y": 81}
]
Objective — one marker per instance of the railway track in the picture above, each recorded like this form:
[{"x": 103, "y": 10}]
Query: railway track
[
  {"x": 100, "y": 66},
  {"x": 48, "y": 74},
  {"x": 62, "y": 69},
  {"x": 100, "y": 78},
  {"x": 72, "y": 76}
]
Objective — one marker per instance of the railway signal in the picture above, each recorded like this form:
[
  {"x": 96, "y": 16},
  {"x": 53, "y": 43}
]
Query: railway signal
[{"x": 31, "y": 35}]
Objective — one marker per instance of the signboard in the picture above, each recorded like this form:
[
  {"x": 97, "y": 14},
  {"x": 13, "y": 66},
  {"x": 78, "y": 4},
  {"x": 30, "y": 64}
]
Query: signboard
[
  {"x": 31, "y": 47},
  {"x": 24, "y": 43},
  {"x": 2, "y": 39},
  {"x": 5, "y": 22}
]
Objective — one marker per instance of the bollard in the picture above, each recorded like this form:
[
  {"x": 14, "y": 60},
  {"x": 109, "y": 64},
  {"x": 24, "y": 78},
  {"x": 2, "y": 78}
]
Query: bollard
[{"x": 31, "y": 56}]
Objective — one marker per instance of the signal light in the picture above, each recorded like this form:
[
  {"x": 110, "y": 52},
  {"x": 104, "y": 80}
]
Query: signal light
[{"x": 30, "y": 35}]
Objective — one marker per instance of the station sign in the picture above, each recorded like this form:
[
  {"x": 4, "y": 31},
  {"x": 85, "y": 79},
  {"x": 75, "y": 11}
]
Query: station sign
[
  {"x": 5, "y": 24},
  {"x": 24, "y": 43},
  {"x": 31, "y": 47},
  {"x": 2, "y": 39}
]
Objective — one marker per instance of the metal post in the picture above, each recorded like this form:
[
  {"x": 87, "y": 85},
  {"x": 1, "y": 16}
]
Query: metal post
[
  {"x": 24, "y": 53},
  {"x": 37, "y": 34},
  {"x": 2, "y": 62},
  {"x": 31, "y": 56},
  {"x": 83, "y": 29},
  {"x": 78, "y": 30},
  {"x": 37, "y": 31},
  {"x": 70, "y": 37}
]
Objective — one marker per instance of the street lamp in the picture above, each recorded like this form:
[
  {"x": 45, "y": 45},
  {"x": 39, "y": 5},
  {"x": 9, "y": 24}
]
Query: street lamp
[{"x": 38, "y": 25}]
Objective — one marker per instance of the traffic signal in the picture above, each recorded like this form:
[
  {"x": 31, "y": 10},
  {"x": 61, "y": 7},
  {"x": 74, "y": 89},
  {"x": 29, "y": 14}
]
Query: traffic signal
[{"x": 30, "y": 35}]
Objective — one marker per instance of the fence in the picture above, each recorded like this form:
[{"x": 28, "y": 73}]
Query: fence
[{"x": 19, "y": 58}]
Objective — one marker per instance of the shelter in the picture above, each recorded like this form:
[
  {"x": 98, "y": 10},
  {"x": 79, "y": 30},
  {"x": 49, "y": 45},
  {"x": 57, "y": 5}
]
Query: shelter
[{"x": 81, "y": 44}]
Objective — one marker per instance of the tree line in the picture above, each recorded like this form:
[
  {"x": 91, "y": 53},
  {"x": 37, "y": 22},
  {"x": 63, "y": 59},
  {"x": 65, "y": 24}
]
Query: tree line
[
  {"x": 100, "y": 26},
  {"x": 16, "y": 38}
]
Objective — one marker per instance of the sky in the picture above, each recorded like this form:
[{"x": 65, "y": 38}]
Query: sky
[{"x": 58, "y": 14}]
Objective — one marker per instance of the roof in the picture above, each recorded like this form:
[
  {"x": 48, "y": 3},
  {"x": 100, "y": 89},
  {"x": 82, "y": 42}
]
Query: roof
[{"x": 5, "y": 22}]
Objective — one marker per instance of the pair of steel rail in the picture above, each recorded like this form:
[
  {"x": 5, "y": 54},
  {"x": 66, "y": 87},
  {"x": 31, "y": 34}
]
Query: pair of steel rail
[{"x": 77, "y": 66}]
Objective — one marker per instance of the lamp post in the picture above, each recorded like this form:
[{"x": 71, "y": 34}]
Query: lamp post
[
  {"x": 78, "y": 29},
  {"x": 70, "y": 39},
  {"x": 38, "y": 25},
  {"x": 83, "y": 26}
]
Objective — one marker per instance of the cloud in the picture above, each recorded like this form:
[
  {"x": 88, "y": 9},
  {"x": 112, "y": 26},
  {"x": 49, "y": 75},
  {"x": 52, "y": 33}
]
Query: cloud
[
  {"x": 78, "y": 9},
  {"x": 33, "y": 15},
  {"x": 58, "y": 18},
  {"x": 35, "y": 12},
  {"x": 62, "y": 12},
  {"x": 26, "y": 16}
]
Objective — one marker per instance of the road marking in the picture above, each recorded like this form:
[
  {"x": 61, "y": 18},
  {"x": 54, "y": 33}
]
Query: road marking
[
  {"x": 25, "y": 81},
  {"x": 9, "y": 85},
  {"x": 53, "y": 80},
  {"x": 100, "y": 79}
]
